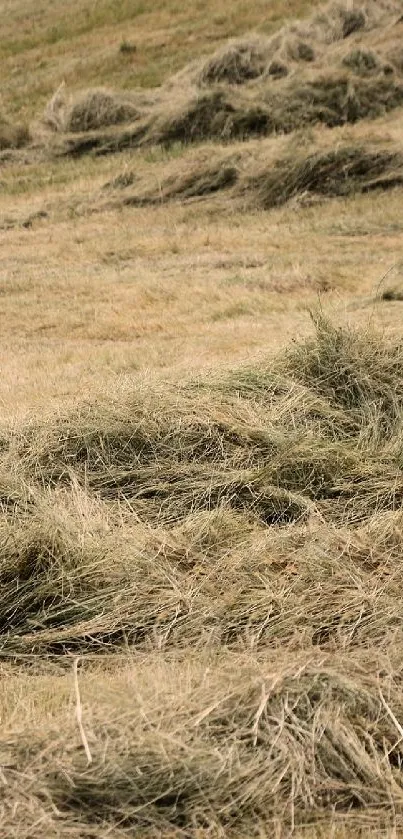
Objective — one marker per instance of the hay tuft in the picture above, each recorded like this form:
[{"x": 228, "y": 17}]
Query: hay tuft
[
  {"x": 237, "y": 62},
  {"x": 362, "y": 61},
  {"x": 98, "y": 108}
]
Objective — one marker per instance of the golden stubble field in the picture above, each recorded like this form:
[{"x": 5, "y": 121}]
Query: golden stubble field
[{"x": 201, "y": 629}]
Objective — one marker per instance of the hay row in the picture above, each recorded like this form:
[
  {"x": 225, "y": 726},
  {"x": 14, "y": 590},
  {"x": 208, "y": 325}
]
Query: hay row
[
  {"x": 249, "y": 87},
  {"x": 254, "y": 86},
  {"x": 349, "y": 169},
  {"x": 331, "y": 99},
  {"x": 184, "y": 496}
]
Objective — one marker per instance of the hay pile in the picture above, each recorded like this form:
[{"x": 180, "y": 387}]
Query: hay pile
[
  {"x": 201, "y": 181},
  {"x": 332, "y": 100},
  {"x": 256, "y": 56},
  {"x": 243, "y": 748},
  {"x": 230, "y": 554},
  {"x": 317, "y": 435}
]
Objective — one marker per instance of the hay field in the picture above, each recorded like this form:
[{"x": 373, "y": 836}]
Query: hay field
[{"x": 201, "y": 459}]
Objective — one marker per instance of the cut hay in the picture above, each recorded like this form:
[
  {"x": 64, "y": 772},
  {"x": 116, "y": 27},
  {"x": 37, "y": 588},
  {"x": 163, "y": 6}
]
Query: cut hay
[
  {"x": 332, "y": 100},
  {"x": 253, "y": 86},
  {"x": 98, "y": 108},
  {"x": 200, "y": 117},
  {"x": 343, "y": 171},
  {"x": 229, "y": 751},
  {"x": 243, "y": 60},
  {"x": 237, "y": 62},
  {"x": 89, "y": 110},
  {"x": 225, "y": 115},
  {"x": 363, "y": 62},
  {"x": 328, "y": 173},
  {"x": 218, "y": 567},
  {"x": 200, "y": 180}
]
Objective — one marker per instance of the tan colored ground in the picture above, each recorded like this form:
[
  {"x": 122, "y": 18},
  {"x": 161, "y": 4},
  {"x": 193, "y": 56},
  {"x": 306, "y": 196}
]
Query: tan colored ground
[{"x": 177, "y": 288}]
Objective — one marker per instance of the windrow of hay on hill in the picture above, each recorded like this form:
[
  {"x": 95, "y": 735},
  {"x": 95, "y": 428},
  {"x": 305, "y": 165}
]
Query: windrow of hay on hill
[
  {"x": 255, "y": 56},
  {"x": 200, "y": 181},
  {"x": 92, "y": 109},
  {"x": 342, "y": 171},
  {"x": 348, "y": 169},
  {"x": 331, "y": 99},
  {"x": 333, "y": 85}
]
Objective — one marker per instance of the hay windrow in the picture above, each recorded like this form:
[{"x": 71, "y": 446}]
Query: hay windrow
[
  {"x": 332, "y": 173},
  {"x": 89, "y": 110},
  {"x": 249, "y": 58},
  {"x": 349, "y": 169},
  {"x": 336, "y": 68},
  {"x": 237, "y": 543},
  {"x": 201, "y": 623},
  {"x": 228, "y": 115},
  {"x": 202, "y": 180}
]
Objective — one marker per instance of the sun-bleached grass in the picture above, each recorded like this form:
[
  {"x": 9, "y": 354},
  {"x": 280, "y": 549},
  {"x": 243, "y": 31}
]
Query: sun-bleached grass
[{"x": 200, "y": 492}]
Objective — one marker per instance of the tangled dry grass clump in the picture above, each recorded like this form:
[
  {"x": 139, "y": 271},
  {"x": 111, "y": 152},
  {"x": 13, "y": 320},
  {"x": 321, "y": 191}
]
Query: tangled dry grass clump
[
  {"x": 235, "y": 547},
  {"x": 201, "y": 623}
]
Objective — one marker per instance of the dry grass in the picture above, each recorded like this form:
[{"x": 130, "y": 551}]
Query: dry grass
[
  {"x": 297, "y": 175},
  {"x": 331, "y": 173},
  {"x": 201, "y": 493},
  {"x": 251, "y": 87},
  {"x": 13, "y": 136},
  {"x": 249, "y": 581}
]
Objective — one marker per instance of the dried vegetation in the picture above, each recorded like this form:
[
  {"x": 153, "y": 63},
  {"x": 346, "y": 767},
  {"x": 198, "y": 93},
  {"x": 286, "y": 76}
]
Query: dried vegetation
[
  {"x": 333, "y": 69},
  {"x": 253, "y": 521},
  {"x": 13, "y": 136},
  {"x": 223, "y": 557}
]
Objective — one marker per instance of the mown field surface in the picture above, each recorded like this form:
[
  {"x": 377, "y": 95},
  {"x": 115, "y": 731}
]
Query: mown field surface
[{"x": 201, "y": 450}]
